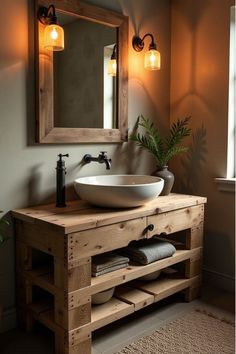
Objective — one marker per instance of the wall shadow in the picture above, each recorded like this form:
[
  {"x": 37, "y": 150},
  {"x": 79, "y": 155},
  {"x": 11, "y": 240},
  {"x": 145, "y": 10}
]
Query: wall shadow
[{"x": 193, "y": 163}]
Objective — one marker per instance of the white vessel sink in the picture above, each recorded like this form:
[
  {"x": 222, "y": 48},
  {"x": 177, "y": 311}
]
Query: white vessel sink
[{"x": 118, "y": 191}]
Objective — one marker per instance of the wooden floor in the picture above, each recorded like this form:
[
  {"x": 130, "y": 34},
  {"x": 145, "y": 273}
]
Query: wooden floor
[{"x": 110, "y": 339}]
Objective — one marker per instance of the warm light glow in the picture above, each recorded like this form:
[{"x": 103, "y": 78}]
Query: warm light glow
[
  {"x": 112, "y": 67},
  {"x": 54, "y": 34},
  {"x": 54, "y": 37},
  {"x": 152, "y": 60}
]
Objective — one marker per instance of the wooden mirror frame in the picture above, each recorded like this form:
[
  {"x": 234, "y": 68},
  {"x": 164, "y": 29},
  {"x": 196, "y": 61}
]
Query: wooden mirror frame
[{"x": 46, "y": 133}]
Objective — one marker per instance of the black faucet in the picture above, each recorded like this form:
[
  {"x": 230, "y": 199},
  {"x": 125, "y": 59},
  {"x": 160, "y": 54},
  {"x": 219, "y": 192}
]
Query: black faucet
[
  {"x": 102, "y": 158},
  {"x": 61, "y": 188}
]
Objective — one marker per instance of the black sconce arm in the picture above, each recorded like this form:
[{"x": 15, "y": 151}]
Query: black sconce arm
[
  {"x": 138, "y": 43},
  {"x": 47, "y": 15}
]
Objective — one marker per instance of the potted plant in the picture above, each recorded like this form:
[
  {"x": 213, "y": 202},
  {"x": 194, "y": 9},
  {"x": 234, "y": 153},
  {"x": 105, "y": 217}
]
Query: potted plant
[{"x": 162, "y": 148}]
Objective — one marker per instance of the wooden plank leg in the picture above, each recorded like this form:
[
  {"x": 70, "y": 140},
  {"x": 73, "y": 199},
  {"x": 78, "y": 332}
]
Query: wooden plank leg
[
  {"x": 194, "y": 237},
  {"x": 60, "y": 345},
  {"x": 193, "y": 292},
  {"x": 193, "y": 267},
  {"x": 72, "y": 313},
  {"x": 81, "y": 348},
  {"x": 23, "y": 286}
]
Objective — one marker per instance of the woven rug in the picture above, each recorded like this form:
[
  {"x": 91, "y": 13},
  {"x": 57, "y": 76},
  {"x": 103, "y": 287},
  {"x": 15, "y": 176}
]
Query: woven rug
[{"x": 199, "y": 331}]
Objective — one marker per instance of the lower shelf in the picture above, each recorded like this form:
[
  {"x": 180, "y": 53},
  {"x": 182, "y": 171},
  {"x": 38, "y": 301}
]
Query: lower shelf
[
  {"x": 127, "y": 299},
  {"x": 111, "y": 311}
]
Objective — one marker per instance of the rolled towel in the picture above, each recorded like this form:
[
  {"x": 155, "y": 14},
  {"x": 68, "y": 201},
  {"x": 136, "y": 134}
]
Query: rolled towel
[
  {"x": 148, "y": 251},
  {"x": 108, "y": 260},
  {"x": 109, "y": 269}
]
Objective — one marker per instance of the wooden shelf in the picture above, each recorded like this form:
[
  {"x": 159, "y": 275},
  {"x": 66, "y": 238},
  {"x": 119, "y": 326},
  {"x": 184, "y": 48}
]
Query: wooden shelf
[
  {"x": 43, "y": 312},
  {"x": 111, "y": 311},
  {"x": 127, "y": 299},
  {"x": 161, "y": 288},
  {"x": 136, "y": 297},
  {"x": 131, "y": 272},
  {"x": 43, "y": 277}
]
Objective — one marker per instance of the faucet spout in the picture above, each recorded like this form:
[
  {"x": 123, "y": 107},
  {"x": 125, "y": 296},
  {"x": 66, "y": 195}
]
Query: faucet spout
[{"x": 102, "y": 158}]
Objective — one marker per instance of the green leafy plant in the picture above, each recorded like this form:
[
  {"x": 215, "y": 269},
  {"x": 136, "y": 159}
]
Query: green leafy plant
[
  {"x": 163, "y": 149},
  {"x": 3, "y": 223}
]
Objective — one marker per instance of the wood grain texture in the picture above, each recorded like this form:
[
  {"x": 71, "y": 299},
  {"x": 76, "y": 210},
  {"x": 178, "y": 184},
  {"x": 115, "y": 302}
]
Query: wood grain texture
[
  {"x": 170, "y": 222},
  {"x": 102, "y": 315},
  {"x": 161, "y": 288},
  {"x": 78, "y": 215},
  {"x": 132, "y": 272},
  {"x": 138, "y": 298},
  {"x": 72, "y": 235},
  {"x": 104, "y": 239}
]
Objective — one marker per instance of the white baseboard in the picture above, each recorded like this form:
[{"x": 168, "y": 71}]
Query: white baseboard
[
  {"x": 8, "y": 319},
  {"x": 219, "y": 280}
]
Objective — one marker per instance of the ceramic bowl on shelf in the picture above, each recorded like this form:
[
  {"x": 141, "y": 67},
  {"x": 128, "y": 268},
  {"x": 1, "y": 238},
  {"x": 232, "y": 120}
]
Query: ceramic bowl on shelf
[
  {"x": 151, "y": 276},
  {"x": 103, "y": 296}
]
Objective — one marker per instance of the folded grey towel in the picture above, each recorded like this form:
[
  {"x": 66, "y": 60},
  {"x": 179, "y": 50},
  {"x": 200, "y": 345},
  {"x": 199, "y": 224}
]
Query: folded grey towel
[
  {"x": 109, "y": 269},
  {"x": 148, "y": 251},
  {"x": 107, "y": 260}
]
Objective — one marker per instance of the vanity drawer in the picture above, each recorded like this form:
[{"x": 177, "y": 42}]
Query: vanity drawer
[
  {"x": 103, "y": 239},
  {"x": 175, "y": 221}
]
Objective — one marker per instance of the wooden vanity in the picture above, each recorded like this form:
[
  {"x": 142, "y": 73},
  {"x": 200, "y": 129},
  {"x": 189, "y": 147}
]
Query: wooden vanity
[{"x": 57, "y": 292}]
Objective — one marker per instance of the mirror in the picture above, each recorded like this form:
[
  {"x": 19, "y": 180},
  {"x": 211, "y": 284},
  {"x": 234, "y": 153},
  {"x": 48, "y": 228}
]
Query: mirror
[
  {"x": 84, "y": 92},
  {"x": 77, "y": 100}
]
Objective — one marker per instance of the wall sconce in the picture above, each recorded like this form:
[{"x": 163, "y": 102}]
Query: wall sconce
[
  {"x": 53, "y": 33},
  {"x": 152, "y": 60},
  {"x": 112, "y": 64}
]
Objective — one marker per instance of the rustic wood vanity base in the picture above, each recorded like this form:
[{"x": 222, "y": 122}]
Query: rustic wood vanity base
[{"x": 57, "y": 292}]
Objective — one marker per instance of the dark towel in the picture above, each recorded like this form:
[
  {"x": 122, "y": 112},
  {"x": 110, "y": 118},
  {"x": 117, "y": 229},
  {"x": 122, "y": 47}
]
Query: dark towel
[
  {"x": 109, "y": 269},
  {"x": 107, "y": 260},
  {"x": 148, "y": 251}
]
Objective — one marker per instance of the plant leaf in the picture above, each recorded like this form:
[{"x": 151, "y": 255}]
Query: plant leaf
[
  {"x": 162, "y": 149},
  {"x": 151, "y": 140}
]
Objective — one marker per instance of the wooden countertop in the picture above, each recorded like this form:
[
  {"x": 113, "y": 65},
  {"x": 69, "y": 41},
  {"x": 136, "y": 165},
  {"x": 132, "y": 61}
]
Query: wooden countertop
[{"x": 79, "y": 215}]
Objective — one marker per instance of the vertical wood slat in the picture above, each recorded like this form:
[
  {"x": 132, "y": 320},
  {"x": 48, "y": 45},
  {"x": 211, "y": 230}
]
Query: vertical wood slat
[
  {"x": 193, "y": 266},
  {"x": 69, "y": 279},
  {"x": 23, "y": 286}
]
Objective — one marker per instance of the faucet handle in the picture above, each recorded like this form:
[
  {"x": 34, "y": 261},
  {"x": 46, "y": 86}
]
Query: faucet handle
[
  {"x": 61, "y": 155},
  {"x": 103, "y": 153}
]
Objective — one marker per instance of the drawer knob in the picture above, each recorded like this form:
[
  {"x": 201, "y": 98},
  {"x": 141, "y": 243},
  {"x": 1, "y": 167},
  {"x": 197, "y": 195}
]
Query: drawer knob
[{"x": 150, "y": 227}]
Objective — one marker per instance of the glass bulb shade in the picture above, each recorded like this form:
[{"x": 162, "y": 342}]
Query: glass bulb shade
[
  {"x": 54, "y": 37},
  {"x": 112, "y": 66},
  {"x": 152, "y": 60}
]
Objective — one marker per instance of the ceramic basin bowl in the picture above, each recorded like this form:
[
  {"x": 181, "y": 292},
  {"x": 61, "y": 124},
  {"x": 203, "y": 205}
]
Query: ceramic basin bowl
[
  {"x": 118, "y": 191},
  {"x": 102, "y": 297},
  {"x": 151, "y": 276}
]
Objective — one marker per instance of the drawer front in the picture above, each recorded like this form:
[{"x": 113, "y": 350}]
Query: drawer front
[
  {"x": 103, "y": 239},
  {"x": 175, "y": 221}
]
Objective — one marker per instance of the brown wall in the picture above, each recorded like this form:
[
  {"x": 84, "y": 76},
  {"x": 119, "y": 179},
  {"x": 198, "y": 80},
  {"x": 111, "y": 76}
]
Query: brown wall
[{"x": 199, "y": 87}]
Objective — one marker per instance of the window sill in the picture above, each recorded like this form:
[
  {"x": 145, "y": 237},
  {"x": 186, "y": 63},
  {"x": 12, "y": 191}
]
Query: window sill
[{"x": 226, "y": 184}]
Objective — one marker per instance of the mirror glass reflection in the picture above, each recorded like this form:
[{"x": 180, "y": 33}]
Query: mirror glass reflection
[{"x": 84, "y": 92}]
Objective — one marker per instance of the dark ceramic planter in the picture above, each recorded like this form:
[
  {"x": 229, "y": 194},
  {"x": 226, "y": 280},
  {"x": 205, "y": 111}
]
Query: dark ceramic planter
[{"x": 168, "y": 179}]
